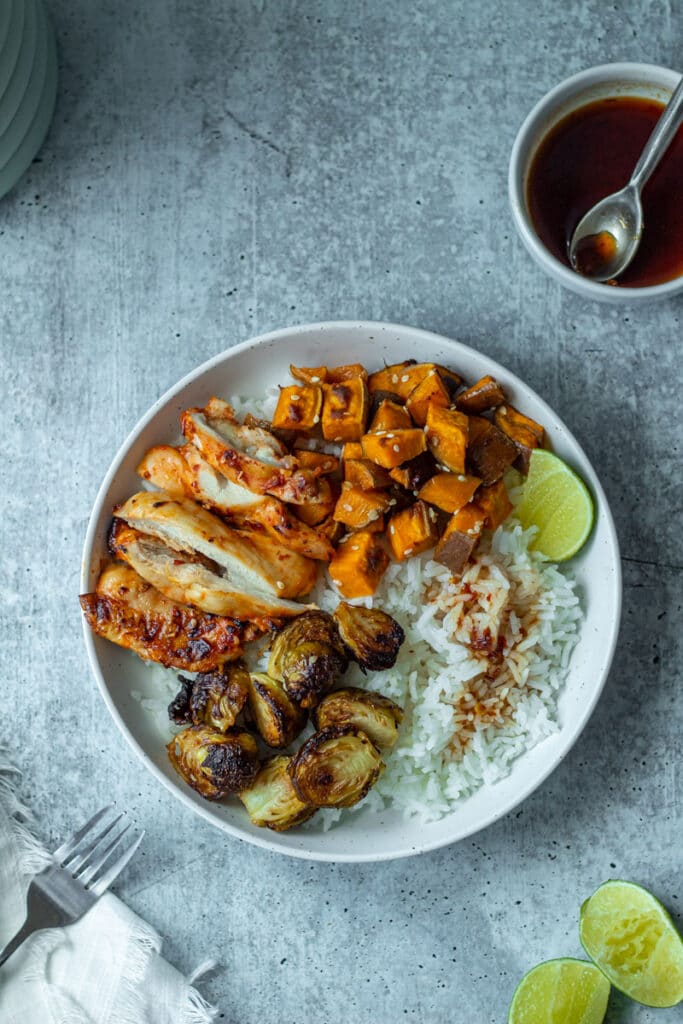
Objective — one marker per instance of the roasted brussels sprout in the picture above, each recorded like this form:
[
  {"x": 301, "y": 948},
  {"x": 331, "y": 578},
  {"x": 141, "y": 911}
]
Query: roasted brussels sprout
[
  {"x": 336, "y": 767},
  {"x": 214, "y": 763},
  {"x": 306, "y": 656},
  {"x": 271, "y": 800},
  {"x": 376, "y": 715},
  {"x": 278, "y": 719},
  {"x": 212, "y": 698},
  {"x": 372, "y": 636}
]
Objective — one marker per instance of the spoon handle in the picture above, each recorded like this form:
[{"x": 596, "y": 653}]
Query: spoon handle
[{"x": 662, "y": 134}]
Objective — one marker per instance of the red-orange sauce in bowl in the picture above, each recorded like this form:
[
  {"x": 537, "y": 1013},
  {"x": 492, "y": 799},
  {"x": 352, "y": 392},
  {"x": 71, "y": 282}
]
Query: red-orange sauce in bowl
[{"x": 591, "y": 153}]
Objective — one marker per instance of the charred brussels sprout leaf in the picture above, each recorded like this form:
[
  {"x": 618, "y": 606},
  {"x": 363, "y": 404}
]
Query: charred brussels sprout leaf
[
  {"x": 377, "y": 716},
  {"x": 278, "y": 719},
  {"x": 214, "y": 763},
  {"x": 271, "y": 800},
  {"x": 212, "y": 698},
  {"x": 336, "y": 767},
  {"x": 306, "y": 656},
  {"x": 372, "y": 636}
]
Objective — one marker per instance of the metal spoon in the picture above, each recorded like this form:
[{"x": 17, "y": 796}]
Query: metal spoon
[{"x": 607, "y": 237}]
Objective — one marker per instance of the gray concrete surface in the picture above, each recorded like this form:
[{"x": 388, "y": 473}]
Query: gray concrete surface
[{"x": 217, "y": 169}]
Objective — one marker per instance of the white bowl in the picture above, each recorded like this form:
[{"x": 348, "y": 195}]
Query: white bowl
[
  {"x": 646, "y": 80},
  {"x": 248, "y": 369}
]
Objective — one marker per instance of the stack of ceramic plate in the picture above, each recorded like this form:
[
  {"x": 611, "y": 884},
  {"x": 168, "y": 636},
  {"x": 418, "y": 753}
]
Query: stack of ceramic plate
[{"x": 28, "y": 85}]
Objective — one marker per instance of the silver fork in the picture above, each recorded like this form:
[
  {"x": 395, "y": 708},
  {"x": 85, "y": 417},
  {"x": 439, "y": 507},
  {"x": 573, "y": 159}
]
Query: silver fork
[{"x": 82, "y": 869}]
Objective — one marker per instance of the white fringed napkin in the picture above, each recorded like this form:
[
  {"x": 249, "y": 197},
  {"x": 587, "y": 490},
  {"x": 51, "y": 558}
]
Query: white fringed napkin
[{"x": 105, "y": 969}]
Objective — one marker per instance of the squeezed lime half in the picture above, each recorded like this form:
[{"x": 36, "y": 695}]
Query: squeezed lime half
[
  {"x": 560, "y": 992},
  {"x": 627, "y": 932},
  {"x": 557, "y": 501}
]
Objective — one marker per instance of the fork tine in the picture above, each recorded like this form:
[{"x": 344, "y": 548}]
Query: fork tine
[
  {"x": 68, "y": 848},
  {"x": 92, "y": 869},
  {"x": 76, "y": 864},
  {"x": 101, "y": 884}
]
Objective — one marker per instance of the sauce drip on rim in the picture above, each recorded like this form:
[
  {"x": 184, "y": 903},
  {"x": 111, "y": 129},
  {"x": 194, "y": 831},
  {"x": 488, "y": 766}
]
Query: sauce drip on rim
[{"x": 590, "y": 154}]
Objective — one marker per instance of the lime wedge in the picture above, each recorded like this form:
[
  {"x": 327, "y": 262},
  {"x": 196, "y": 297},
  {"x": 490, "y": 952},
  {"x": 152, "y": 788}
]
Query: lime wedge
[
  {"x": 632, "y": 939},
  {"x": 560, "y": 992},
  {"x": 558, "y": 502}
]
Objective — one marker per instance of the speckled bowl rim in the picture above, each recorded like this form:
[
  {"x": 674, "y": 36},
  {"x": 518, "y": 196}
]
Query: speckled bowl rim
[
  {"x": 573, "y": 92},
  {"x": 418, "y": 339}
]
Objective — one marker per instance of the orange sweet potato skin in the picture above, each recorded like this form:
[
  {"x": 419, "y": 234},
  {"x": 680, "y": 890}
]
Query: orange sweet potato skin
[
  {"x": 447, "y": 433},
  {"x": 494, "y": 503},
  {"x": 345, "y": 410},
  {"x": 298, "y": 407},
  {"x": 430, "y": 391},
  {"x": 485, "y": 394},
  {"x": 357, "y": 509},
  {"x": 390, "y": 416},
  {"x": 412, "y": 531},
  {"x": 359, "y": 564},
  {"x": 366, "y": 475},
  {"x": 449, "y": 491},
  {"x": 525, "y": 433},
  {"x": 393, "y": 447}
]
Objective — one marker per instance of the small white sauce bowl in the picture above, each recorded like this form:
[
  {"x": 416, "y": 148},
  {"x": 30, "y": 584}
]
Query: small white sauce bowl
[{"x": 623, "y": 79}]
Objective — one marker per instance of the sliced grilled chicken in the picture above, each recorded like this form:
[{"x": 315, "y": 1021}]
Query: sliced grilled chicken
[
  {"x": 248, "y": 455},
  {"x": 242, "y": 506},
  {"x": 251, "y": 562},
  {"x": 166, "y": 468},
  {"x": 128, "y": 610},
  {"x": 194, "y": 580}
]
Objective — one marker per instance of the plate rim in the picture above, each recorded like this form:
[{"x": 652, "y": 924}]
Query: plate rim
[{"x": 263, "y": 841}]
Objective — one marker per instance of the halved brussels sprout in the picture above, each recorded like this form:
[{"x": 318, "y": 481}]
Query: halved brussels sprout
[
  {"x": 306, "y": 656},
  {"x": 372, "y": 636},
  {"x": 278, "y": 719},
  {"x": 271, "y": 800},
  {"x": 214, "y": 763},
  {"x": 212, "y": 698},
  {"x": 376, "y": 715},
  {"x": 336, "y": 767}
]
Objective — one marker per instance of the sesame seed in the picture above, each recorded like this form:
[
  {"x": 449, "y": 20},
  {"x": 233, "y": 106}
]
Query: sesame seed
[
  {"x": 315, "y": 380},
  {"x": 348, "y": 508},
  {"x": 374, "y": 515},
  {"x": 392, "y": 501},
  {"x": 405, "y": 378},
  {"x": 316, "y": 418},
  {"x": 432, "y": 514},
  {"x": 425, "y": 428},
  {"x": 396, "y": 447},
  {"x": 408, "y": 551},
  {"x": 336, "y": 583},
  {"x": 389, "y": 436},
  {"x": 503, "y": 410},
  {"x": 295, "y": 398},
  {"x": 280, "y": 585},
  {"x": 435, "y": 441},
  {"x": 338, "y": 439},
  {"x": 416, "y": 493},
  {"x": 392, "y": 528},
  {"x": 354, "y": 547},
  {"x": 461, "y": 478},
  {"x": 394, "y": 379}
]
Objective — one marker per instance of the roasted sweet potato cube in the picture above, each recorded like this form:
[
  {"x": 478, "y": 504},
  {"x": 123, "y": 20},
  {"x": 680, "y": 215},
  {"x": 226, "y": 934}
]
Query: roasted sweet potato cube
[
  {"x": 447, "y": 437},
  {"x": 485, "y": 394},
  {"x": 413, "y": 474},
  {"x": 400, "y": 378},
  {"x": 449, "y": 491},
  {"x": 337, "y": 374},
  {"x": 309, "y": 374},
  {"x": 359, "y": 564},
  {"x": 453, "y": 381},
  {"x": 352, "y": 450},
  {"x": 413, "y": 531},
  {"x": 313, "y": 512},
  {"x": 298, "y": 407},
  {"x": 345, "y": 410},
  {"x": 494, "y": 503},
  {"x": 430, "y": 391},
  {"x": 323, "y": 462},
  {"x": 393, "y": 447},
  {"x": 390, "y": 416},
  {"x": 366, "y": 475},
  {"x": 357, "y": 509},
  {"x": 489, "y": 451},
  {"x": 460, "y": 538},
  {"x": 524, "y": 432}
]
